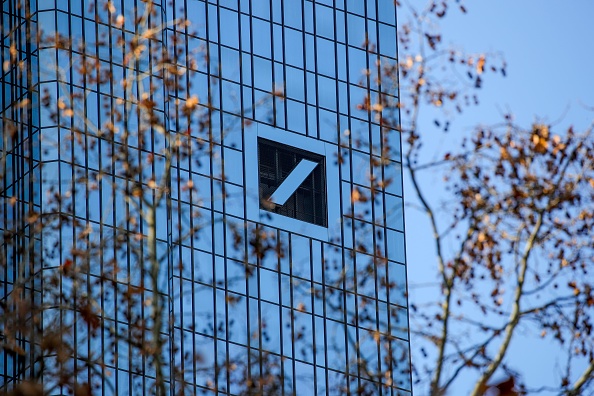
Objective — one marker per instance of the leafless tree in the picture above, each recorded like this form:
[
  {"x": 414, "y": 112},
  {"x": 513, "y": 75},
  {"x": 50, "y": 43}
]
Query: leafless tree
[{"x": 509, "y": 227}]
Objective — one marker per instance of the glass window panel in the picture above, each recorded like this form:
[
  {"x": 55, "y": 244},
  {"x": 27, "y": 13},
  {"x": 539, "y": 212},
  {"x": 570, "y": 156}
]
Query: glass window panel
[
  {"x": 360, "y": 168},
  {"x": 360, "y": 134},
  {"x": 204, "y": 315},
  {"x": 352, "y": 309},
  {"x": 311, "y": 88},
  {"x": 235, "y": 226},
  {"x": 287, "y": 331},
  {"x": 341, "y": 60},
  {"x": 397, "y": 279},
  {"x": 213, "y": 23},
  {"x": 231, "y": 96},
  {"x": 277, "y": 37},
  {"x": 293, "y": 14},
  {"x": 279, "y": 113},
  {"x": 310, "y": 53},
  {"x": 317, "y": 264},
  {"x": 336, "y": 345},
  {"x": 261, "y": 9},
  {"x": 244, "y": 6},
  {"x": 277, "y": 12},
  {"x": 202, "y": 186},
  {"x": 203, "y": 236},
  {"x": 246, "y": 69},
  {"x": 229, "y": 27},
  {"x": 324, "y": 21},
  {"x": 387, "y": 40},
  {"x": 371, "y": 33},
  {"x": 263, "y": 106},
  {"x": 49, "y": 147},
  {"x": 327, "y": 93},
  {"x": 367, "y": 309},
  {"x": 271, "y": 324},
  {"x": 76, "y": 24},
  {"x": 45, "y": 5},
  {"x": 383, "y": 315},
  {"x": 230, "y": 64},
  {"x": 393, "y": 178},
  {"x": 356, "y": 6},
  {"x": 46, "y": 20},
  {"x": 326, "y": 59},
  {"x": 245, "y": 35},
  {"x": 254, "y": 323},
  {"x": 395, "y": 245},
  {"x": 296, "y": 116},
  {"x": 219, "y": 235},
  {"x": 262, "y": 74},
  {"x": 261, "y": 37},
  {"x": 348, "y": 232},
  {"x": 320, "y": 342},
  {"x": 308, "y": 16},
  {"x": 294, "y": 47},
  {"x": 357, "y": 65},
  {"x": 371, "y": 9},
  {"x": 220, "y": 277},
  {"x": 343, "y": 102},
  {"x": 312, "y": 121},
  {"x": 286, "y": 287},
  {"x": 232, "y": 128},
  {"x": 303, "y": 335},
  {"x": 279, "y": 79},
  {"x": 233, "y": 163},
  {"x": 304, "y": 376},
  {"x": 302, "y": 295},
  {"x": 269, "y": 281},
  {"x": 356, "y": 29},
  {"x": 228, "y": 3},
  {"x": 334, "y": 303},
  {"x": 401, "y": 372},
  {"x": 52, "y": 91},
  {"x": 387, "y": 12},
  {"x": 378, "y": 209},
  {"x": 300, "y": 256},
  {"x": 295, "y": 89},
  {"x": 248, "y": 102},
  {"x": 363, "y": 207},
  {"x": 328, "y": 126},
  {"x": 394, "y": 215},
  {"x": 340, "y": 27},
  {"x": 398, "y": 321}
]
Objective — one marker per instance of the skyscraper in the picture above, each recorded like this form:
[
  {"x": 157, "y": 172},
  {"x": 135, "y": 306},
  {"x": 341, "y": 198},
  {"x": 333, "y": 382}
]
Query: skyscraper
[{"x": 216, "y": 170}]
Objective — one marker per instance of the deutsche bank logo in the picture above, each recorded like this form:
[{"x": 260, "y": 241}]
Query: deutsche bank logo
[{"x": 291, "y": 181}]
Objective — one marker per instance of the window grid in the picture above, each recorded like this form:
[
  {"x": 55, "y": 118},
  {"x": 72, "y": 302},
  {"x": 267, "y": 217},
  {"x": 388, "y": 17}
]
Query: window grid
[{"x": 202, "y": 271}]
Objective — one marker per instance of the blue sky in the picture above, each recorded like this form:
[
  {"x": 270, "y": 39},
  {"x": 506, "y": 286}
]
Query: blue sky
[{"x": 549, "y": 49}]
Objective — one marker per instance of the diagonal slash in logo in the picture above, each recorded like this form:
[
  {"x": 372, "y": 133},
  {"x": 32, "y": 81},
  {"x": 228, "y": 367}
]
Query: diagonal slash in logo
[{"x": 292, "y": 181}]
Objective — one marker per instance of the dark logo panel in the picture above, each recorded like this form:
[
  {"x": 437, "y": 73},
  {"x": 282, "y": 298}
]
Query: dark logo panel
[{"x": 292, "y": 182}]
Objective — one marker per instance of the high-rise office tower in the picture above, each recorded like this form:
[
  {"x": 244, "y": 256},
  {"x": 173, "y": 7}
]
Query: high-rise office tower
[{"x": 202, "y": 196}]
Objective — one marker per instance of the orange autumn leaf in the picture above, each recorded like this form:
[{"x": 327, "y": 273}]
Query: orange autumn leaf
[{"x": 480, "y": 64}]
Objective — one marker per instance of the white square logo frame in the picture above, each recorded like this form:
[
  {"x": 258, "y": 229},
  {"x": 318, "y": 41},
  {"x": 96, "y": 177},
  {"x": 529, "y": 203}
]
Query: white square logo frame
[{"x": 300, "y": 142}]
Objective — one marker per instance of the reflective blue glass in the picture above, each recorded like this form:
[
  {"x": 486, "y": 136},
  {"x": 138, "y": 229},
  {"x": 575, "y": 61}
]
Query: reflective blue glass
[{"x": 259, "y": 301}]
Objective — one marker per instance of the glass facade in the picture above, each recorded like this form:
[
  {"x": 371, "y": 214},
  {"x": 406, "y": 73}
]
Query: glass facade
[{"x": 159, "y": 189}]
